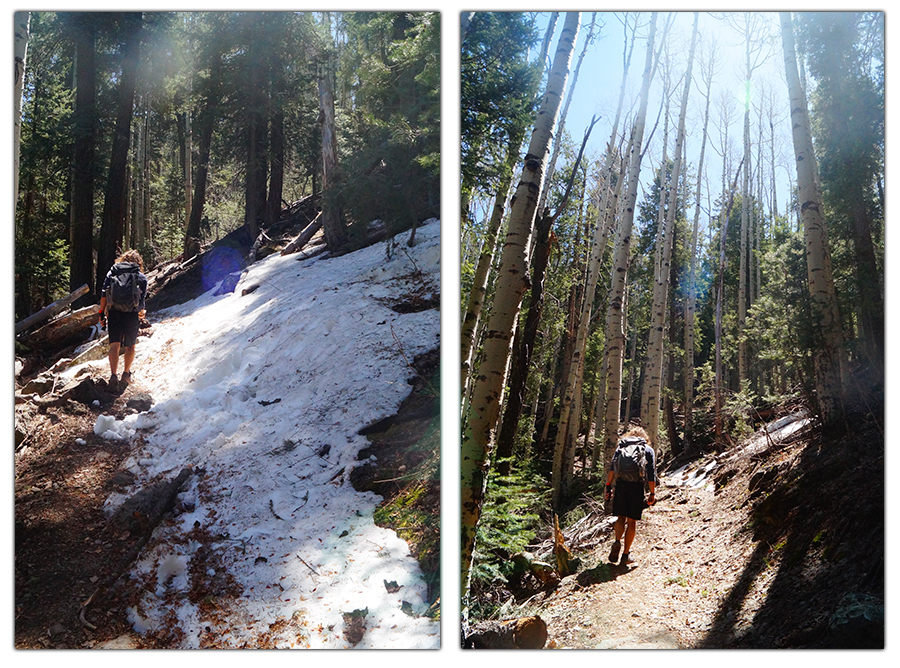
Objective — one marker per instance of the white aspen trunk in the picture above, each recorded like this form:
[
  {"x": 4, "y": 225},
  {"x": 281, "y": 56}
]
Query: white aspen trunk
[
  {"x": 826, "y": 319},
  {"x": 692, "y": 285},
  {"x": 653, "y": 376},
  {"x": 551, "y": 166},
  {"x": 615, "y": 335},
  {"x": 661, "y": 221},
  {"x": 472, "y": 316},
  {"x": 21, "y": 25},
  {"x": 487, "y": 386}
]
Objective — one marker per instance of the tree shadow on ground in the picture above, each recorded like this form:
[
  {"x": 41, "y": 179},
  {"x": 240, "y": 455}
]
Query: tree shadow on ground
[{"x": 820, "y": 523}]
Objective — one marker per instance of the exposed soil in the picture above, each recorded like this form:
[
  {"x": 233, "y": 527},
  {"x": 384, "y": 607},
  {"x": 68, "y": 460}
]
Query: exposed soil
[
  {"x": 406, "y": 471},
  {"x": 65, "y": 546},
  {"x": 766, "y": 560}
]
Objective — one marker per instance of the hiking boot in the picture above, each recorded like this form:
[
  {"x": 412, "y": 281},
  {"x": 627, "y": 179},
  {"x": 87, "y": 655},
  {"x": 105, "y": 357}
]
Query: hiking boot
[
  {"x": 126, "y": 377},
  {"x": 626, "y": 560},
  {"x": 113, "y": 382},
  {"x": 614, "y": 552}
]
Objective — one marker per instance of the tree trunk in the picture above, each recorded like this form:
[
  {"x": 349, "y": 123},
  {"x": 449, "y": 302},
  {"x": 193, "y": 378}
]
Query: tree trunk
[
  {"x": 615, "y": 334},
  {"x": 511, "y": 286},
  {"x": 206, "y": 120},
  {"x": 51, "y": 310},
  {"x": 303, "y": 238},
  {"x": 21, "y": 22},
  {"x": 525, "y": 341},
  {"x": 114, "y": 204},
  {"x": 257, "y": 140},
  {"x": 691, "y": 307},
  {"x": 661, "y": 288},
  {"x": 720, "y": 299},
  {"x": 63, "y": 328},
  {"x": 557, "y": 145},
  {"x": 276, "y": 172},
  {"x": 826, "y": 318},
  {"x": 483, "y": 270},
  {"x": 81, "y": 253},
  {"x": 332, "y": 219}
]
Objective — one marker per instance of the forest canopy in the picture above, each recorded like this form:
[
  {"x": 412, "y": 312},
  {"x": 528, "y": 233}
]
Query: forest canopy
[{"x": 165, "y": 131}]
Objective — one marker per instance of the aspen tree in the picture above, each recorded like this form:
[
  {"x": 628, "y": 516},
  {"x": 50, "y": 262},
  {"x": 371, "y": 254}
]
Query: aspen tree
[
  {"x": 607, "y": 206},
  {"x": 615, "y": 334},
  {"x": 488, "y": 384},
  {"x": 20, "y": 24},
  {"x": 653, "y": 378},
  {"x": 826, "y": 319},
  {"x": 707, "y": 71},
  {"x": 472, "y": 316}
]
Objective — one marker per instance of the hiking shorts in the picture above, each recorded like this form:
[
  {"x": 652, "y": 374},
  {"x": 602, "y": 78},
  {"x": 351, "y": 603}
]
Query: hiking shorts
[
  {"x": 122, "y": 327},
  {"x": 628, "y": 499}
]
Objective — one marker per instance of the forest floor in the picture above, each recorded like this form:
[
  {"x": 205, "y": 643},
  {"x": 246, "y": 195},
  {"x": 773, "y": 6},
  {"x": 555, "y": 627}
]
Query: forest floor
[
  {"x": 769, "y": 554},
  {"x": 65, "y": 544},
  {"x": 68, "y": 548}
]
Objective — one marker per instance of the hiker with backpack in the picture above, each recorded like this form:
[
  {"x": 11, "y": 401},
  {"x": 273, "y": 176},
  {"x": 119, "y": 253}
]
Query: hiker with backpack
[
  {"x": 122, "y": 307},
  {"x": 632, "y": 466}
]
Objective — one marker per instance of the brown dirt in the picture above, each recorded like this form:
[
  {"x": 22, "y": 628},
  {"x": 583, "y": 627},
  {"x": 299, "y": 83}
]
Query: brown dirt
[
  {"x": 761, "y": 562},
  {"x": 65, "y": 546}
]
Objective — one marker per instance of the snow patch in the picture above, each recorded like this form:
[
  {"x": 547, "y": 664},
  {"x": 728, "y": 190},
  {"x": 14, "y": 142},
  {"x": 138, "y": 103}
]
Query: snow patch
[{"x": 265, "y": 393}]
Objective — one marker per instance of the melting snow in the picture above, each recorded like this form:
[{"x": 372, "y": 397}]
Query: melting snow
[
  {"x": 697, "y": 475},
  {"x": 266, "y": 393}
]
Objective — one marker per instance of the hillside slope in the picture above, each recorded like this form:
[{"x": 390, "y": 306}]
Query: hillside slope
[
  {"x": 261, "y": 393},
  {"x": 777, "y": 543}
]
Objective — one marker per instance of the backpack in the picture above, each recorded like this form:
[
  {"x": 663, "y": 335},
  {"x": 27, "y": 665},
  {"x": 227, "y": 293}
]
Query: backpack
[
  {"x": 124, "y": 291},
  {"x": 630, "y": 460}
]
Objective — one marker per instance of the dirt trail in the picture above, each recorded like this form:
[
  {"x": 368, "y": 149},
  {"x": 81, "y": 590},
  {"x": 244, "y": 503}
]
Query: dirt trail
[{"x": 689, "y": 556}]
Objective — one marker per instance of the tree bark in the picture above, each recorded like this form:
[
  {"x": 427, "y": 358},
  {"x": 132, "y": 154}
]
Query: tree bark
[
  {"x": 303, "y": 238},
  {"x": 661, "y": 287},
  {"x": 63, "y": 328},
  {"x": 826, "y": 318},
  {"x": 332, "y": 219},
  {"x": 113, "y": 218},
  {"x": 691, "y": 307},
  {"x": 51, "y": 310},
  {"x": 21, "y": 21},
  {"x": 511, "y": 285},
  {"x": 81, "y": 247},
  {"x": 615, "y": 335}
]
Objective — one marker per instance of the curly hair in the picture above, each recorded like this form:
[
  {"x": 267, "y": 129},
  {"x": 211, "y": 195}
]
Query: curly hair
[
  {"x": 133, "y": 257},
  {"x": 634, "y": 430}
]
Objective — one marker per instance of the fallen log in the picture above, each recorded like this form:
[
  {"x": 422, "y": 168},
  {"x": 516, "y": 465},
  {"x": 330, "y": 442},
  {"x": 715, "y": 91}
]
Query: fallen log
[
  {"x": 522, "y": 633},
  {"x": 143, "y": 512},
  {"x": 49, "y": 311},
  {"x": 298, "y": 242},
  {"x": 65, "y": 327}
]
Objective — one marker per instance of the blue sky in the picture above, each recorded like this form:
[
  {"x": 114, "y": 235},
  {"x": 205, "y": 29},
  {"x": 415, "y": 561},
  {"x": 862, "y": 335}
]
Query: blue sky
[{"x": 597, "y": 92}]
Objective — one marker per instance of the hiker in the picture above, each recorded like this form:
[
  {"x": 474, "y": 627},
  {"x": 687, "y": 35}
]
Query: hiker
[
  {"x": 122, "y": 307},
  {"x": 633, "y": 465}
]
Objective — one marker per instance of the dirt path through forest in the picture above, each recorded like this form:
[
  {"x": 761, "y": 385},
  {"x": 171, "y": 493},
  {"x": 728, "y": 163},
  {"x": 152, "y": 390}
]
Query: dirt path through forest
[{"x": 689, "y": 553}]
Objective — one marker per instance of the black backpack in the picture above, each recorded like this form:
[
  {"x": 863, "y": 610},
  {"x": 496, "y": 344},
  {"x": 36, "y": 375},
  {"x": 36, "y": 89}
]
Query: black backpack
[
  {"x": 630, "y": 460},
  {"x": 124, "y": 291}
]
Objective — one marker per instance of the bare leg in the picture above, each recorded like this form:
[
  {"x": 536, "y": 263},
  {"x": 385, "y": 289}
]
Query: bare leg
[
  {"x": 129, "y": 358},
  {"x": 630, "y": 529},
  {"x": 619, "y": 528},
  {"x": 114, "y": 357}
]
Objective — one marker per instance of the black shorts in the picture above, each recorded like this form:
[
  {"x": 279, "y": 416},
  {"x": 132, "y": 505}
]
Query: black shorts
[
  {"x": 628, "y": 499},
  {"x": 123, "y": 327}
]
